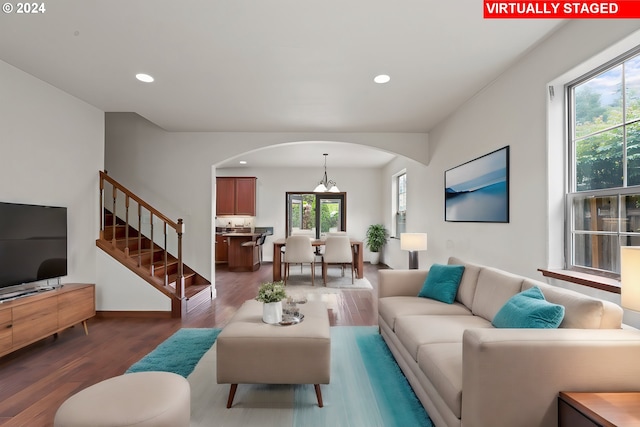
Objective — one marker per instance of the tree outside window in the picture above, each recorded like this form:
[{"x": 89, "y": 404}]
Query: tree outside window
[
  {"x": 603, "y": 203},
  {"x": 315, "y": 213}
]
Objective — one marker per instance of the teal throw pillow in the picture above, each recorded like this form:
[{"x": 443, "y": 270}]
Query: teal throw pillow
[
  {"x": 529, "y": 309},
  {"x": 442, "y": 282}
]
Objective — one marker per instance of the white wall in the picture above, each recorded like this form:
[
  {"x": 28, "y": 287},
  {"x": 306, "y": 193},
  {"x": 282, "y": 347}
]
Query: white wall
[
  {"x": 418, "y": 216},
  {"x": 174, "y": 170},
  {"x": 52, "y": 149},
  {"x": 122, "y": 290},
  {"x": 363, "y": 205},
  {"x": 511, "y": 111}
]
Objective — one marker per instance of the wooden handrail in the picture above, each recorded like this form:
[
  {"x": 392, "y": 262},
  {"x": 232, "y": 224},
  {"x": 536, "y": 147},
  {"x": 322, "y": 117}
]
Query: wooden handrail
[
  {"x": 105, "y": 177},
  {"x": 178, "y": 226}
]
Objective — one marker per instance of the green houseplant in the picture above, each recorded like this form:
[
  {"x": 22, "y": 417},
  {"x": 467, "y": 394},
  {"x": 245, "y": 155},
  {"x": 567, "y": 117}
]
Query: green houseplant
[
  {"x": 271, "y": 294},
  {"x": 376, "y": 238}
]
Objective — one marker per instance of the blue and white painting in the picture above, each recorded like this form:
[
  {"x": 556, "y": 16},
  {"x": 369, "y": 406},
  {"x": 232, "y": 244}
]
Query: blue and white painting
[{"x": 478, "y": 191}]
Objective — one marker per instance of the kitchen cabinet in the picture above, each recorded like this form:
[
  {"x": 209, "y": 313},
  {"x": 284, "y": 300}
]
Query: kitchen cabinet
[
  {"x": 236, "y": 196},
  {"x": 222, "y": 249}
]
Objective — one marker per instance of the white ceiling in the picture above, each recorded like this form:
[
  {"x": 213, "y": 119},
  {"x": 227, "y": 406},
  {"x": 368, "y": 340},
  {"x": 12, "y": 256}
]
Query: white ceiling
[{"x": 270, "y": 66}]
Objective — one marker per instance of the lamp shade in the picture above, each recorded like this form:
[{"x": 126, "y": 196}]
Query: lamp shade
[
  {"x": 320, "y": 188},
  {"x": 630, "y": 277},
  {"x": 413, "y": 241}
]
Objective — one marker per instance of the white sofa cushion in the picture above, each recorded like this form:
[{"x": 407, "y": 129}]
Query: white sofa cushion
[
  {"x": 493, "y": 290},
  {"x": 415, "y": 331},
  {"x": 442, "y": 365},
  {"x": 390, "y": 308},
  {"x": 467, "y": 288},
  {"x": 580, "y": 311}
]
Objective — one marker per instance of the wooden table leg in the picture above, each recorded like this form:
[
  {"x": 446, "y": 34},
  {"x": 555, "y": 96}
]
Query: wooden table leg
[
  {"x": 277, "y": 262},
  {"x": 318, "y": 394},
  {"x": 232, "y": 393},
  {"x": 359, "y": 260}
]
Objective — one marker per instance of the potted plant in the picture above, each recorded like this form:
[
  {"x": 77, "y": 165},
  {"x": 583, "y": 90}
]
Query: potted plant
[
  {"x": 271, "y": 294},
  {"x": 376, "y": 238}
]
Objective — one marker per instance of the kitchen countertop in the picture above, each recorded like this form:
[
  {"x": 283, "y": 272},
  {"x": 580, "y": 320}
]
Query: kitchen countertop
[{"x": 240, "y": 234}]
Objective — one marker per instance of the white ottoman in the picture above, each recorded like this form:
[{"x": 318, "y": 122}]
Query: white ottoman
[
  {"x": 250, "y": 351},
  {"x": 142, "y": 399}
]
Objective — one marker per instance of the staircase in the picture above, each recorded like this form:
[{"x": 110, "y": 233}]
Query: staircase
[{"x": 147, "y": 253}]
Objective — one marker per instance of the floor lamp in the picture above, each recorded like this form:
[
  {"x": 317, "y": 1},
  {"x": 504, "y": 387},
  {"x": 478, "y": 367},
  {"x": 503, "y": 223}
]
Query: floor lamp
[
  {"x": 630, "y": 277},
  {"x": 413, "y": 242}
]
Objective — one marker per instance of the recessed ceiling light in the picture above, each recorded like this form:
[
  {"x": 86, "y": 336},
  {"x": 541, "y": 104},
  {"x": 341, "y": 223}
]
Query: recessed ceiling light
[
  {"x": 382, "y": 78},
  {"x": 144, "y": 77},
  {"x": 243, "y": 162}
]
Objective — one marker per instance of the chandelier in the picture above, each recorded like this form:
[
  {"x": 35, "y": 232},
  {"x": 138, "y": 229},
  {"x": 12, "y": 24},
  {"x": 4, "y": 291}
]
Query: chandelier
[{"x": 325, "y": 184}]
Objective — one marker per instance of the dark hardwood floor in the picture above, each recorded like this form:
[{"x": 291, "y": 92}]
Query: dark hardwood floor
[{"x": 35, "y": 380}]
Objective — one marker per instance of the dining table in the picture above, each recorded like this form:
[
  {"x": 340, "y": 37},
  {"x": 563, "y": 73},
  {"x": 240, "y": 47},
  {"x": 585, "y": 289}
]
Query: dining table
[{"x": 357, "y": 249}]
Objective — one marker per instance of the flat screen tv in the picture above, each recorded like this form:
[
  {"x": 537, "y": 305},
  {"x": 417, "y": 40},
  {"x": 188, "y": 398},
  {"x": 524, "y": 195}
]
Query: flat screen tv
[{"x": 33, "y": 243}]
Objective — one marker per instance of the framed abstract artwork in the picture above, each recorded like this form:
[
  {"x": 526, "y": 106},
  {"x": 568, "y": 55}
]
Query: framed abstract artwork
[{"x": 478, "y": 191}]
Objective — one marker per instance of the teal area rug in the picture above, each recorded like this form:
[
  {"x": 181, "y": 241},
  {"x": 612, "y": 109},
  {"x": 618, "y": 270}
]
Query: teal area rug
[
  {"x": 367, "y": 387},
  {"x": 180, "y": 353},
  {"x": 400, "y": 405}
]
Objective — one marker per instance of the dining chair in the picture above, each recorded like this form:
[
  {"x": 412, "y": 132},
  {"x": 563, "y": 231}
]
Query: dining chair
[
  {"x": 337, "y": 250},
  {"x": 299, "y": 251}
]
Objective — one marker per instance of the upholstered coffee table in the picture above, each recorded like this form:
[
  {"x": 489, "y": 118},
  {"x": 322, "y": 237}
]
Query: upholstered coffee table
[{"x": 250, "y": 351}]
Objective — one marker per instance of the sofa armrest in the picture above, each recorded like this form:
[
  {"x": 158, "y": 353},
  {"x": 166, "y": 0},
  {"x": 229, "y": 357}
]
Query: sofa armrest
[
  {"x": 392, "y": 283},
  {"x": 513, "y": 376}
]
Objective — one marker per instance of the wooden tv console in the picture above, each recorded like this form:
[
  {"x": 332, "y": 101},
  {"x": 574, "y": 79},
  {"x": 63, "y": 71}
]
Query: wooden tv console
[{"x": 28, "y": 319}]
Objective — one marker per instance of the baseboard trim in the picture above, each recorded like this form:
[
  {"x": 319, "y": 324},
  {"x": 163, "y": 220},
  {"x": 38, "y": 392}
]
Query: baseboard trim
[{"x": 136, "y": 314}]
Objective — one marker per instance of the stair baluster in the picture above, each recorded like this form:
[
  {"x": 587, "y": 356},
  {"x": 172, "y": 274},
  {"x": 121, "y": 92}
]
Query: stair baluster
[
  {"x": 180, "y": 280},
  {"x": 135, "y": 254},
  {"x": 151, "y": 246},
  {"x": 113, "y": 222},
  {"x": 166, "y": 256},
  {"x": 126, "y": 230},
  {"x": 139, "y": 235}
]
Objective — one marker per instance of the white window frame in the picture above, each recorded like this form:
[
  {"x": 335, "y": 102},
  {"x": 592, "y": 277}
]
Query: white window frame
[
  {"x": 395, "y": 208},
  {"x": 572, "y": 194}
]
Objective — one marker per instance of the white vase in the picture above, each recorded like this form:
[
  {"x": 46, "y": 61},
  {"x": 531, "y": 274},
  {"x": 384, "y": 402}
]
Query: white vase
[
  {"x": 272, "y": 312},
  {"x": 374, "y": 258}
]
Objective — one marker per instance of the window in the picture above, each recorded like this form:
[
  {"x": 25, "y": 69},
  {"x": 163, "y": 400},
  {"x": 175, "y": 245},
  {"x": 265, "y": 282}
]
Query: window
[
  {"x": 603, "y": 201},
  {"x": 316, "y": 214},
  {"x": 400, "y": 202}
]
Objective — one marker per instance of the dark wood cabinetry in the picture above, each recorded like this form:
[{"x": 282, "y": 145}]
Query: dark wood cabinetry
[
  {"x": 243, "y": 256},
  {"x": 236, "y": 196},
  {"x": 246, "y": 196},
  {"x": 222, "y": 249},
  {"x": 26, "y": 320},
  {"x": 225, "y": 196}
]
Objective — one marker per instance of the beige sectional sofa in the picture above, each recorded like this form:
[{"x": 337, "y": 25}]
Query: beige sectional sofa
[{"x": 468, "y": 373}]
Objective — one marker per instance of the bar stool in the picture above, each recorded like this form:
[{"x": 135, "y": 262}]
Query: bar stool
[{"x": 259, "y": 242}]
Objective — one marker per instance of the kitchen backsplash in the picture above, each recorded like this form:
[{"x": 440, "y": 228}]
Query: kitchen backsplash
[{"x": 235, "y": 221}]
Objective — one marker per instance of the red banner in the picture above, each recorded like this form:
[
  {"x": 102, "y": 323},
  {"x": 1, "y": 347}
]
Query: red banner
[{"x": 623, "y": 9}]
